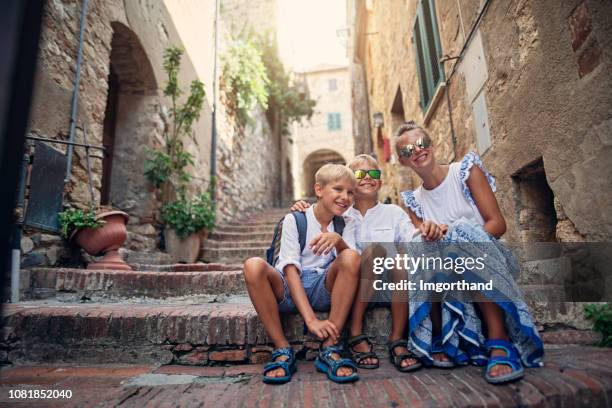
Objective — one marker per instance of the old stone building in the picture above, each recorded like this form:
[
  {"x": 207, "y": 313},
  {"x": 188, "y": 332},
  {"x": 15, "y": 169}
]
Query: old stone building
[
  {"x": 524, "y": 83},
  {"x": 121, "y": 105},
  {"x": 328, "y": 136}
]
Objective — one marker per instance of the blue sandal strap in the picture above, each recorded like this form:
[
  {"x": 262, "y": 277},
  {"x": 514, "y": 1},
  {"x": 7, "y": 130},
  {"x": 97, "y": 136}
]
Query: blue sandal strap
[
  {"x": 273, "y": 365},
  {"x": 343, "y": 362},
  {"x": 285, "y": 351}
]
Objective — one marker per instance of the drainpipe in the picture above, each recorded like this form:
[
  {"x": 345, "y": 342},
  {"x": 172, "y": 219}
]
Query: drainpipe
[
  {"x": 75, "y": 91},
  {"x": 213, "y": 138}
]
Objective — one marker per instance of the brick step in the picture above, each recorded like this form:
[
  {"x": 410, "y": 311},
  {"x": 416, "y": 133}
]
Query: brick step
[
  {"x": 216, "y": 244},
  {"x": 232, "y": 255},
  {"x": 74, "y": 284},
  {"x": 46, "y": 331},
  {"x": 242, "y": 236},
  {"x": 195, "y": 267}
]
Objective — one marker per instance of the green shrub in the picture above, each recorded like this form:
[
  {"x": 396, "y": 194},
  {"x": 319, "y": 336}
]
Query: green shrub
[
  {"x": 189, "y": 216},
  {"x": 601, "y": 315},
  {"x": 75, "y": 218}
]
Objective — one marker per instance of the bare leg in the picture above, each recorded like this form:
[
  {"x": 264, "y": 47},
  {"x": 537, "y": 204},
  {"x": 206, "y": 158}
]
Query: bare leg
[
  {"x": 266, "y": 289},
  {"x": 436, "y": 327},
  {"x": 342, "y": 280},
  {"x": 494, "y": 318},
  {"x": 399, "y": 318},
  {"x": 364, "y": 294}
]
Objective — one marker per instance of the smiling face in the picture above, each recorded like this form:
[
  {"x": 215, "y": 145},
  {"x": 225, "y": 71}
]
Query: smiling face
[
  {"x": 367, "y": 187},
  {"x": 336, "y": 196},
  {"x": 421, "y": 159}
]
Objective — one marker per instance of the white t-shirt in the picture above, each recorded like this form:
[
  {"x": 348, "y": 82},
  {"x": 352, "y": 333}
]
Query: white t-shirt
[
  {"x": 452, "y": 199},
  {"x": 381, "y": 223},
  {"x": 290, "y": 243}
]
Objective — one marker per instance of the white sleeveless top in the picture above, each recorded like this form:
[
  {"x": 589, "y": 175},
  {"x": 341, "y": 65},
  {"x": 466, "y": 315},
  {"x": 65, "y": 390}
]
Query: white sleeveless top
[{"x": 451, "y": 200}]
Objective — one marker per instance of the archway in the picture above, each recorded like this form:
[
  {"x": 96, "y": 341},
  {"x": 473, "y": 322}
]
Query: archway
[
  {"x": 129, "y": 124},
  {"x": 313, "y": 162}
]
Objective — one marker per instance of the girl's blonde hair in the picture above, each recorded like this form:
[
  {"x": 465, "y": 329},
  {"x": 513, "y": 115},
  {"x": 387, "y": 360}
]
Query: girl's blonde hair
[
  {"x": 363, "y": 158},
  {"x": 333, "y": 172}
]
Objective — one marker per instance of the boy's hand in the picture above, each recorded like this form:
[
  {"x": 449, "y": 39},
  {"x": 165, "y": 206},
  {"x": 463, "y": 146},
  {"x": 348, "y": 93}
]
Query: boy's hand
[
  {"x": 300, "y": 206},
  {"x": 323, "y": 329},
  {"x": 432, "y": 231},
  {"x": 324, "y": 242}
]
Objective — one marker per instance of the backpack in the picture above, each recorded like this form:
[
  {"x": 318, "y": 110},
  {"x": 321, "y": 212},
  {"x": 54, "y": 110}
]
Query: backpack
[{"x": 302, "y": 225}]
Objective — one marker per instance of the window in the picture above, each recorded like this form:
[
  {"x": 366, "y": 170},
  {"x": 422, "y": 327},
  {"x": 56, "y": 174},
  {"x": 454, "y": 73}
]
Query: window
[
  {"x": 333, "y": 122},
  {"x": 332, "y": 84},
  {"x": 426, "y": 41}
]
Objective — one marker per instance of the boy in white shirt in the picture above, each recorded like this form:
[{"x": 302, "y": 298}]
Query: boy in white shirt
[
  {"x": 321, "y": 277},
  {"x": 382, "y": 223}
]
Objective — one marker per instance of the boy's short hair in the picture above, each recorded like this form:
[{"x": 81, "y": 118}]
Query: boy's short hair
[
  {"x": 363, "y": 158},
  {"x": 333, "y": 172}
]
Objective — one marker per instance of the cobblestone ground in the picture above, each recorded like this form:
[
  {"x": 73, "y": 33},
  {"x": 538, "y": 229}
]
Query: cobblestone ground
[{"x": 573, "y": 377}]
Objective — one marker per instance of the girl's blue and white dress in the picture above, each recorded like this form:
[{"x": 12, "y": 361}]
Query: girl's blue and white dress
[{"x": 462, "y": 333}]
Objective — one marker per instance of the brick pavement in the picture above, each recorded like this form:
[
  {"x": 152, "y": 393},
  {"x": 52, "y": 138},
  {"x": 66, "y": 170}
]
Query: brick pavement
[{"x": 573, "y": 377}]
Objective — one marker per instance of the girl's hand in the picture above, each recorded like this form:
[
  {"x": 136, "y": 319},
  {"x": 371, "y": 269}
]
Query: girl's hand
[
  {"x": 323, "y": 329},
  {"x": 300, "y": 206},
  {"x": 432, "y": 231},
  {"x": 323, "y": 243}
]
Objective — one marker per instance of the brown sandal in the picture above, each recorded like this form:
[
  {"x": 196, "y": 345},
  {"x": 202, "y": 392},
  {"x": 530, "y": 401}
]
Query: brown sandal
[
  {"x": 358, "y": 356},
  {"x": 396, "y": 359}
]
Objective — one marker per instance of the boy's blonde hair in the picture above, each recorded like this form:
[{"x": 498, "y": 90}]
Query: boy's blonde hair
[
  {"x": 333, "y": 172},
  {"x": 363, "y": 158}
]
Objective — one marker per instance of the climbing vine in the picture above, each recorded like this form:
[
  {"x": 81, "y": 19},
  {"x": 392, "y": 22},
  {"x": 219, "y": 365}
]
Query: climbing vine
[{"x": 253, "y": 73}]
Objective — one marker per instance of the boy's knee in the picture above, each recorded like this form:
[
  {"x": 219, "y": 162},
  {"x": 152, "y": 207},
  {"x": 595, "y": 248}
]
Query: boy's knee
[
  {"x": 253, "y": 269},
  {"x": 350, "y": 260}
]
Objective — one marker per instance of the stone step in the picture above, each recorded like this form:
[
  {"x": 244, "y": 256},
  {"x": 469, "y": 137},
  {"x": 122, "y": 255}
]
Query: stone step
[
  {"x": 232, "y": 255},
  {"x": 49, "y": 331},
  {"x": 242, "y": 236},
  {"x": 243, "y": 229},
  {"x": 107, "y": 285},
  {"x": 216, "y": 244},
  {"x": 254, "y": 223}
]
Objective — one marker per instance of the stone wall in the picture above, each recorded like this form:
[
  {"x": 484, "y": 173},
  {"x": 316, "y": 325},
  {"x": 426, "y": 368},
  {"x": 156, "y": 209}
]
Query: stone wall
[
  {"x": 130, "y": 36},
  {"x": 249, "y": 158},
  {"x": 546, "y": 92}
]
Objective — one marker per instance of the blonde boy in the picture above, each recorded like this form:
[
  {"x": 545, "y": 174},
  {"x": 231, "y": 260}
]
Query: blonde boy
[{"x": 321, "y": 277}]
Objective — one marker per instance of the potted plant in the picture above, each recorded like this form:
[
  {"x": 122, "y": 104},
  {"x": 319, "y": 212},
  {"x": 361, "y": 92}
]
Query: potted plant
[
  {"x": 166, "y": 168},
  {"x": 97, "y": 232},
  {"x": 187, "y": 222}
]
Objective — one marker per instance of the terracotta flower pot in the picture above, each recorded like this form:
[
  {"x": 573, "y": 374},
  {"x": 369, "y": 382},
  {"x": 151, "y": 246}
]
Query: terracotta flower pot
[
  {"x": 182, "y": 249},
  {"x": 105, "y": 240}
]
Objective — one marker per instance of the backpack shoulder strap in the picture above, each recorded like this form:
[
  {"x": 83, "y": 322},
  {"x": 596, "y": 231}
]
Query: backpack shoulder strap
[
  {"x": 339, "y": 224},
  {"x": 302, "y": 226}
]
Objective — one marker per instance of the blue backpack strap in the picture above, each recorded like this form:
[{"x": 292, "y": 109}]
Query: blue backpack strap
[
  {"x": 302, "y": 227},
  {"x": 338, "y": 224}
]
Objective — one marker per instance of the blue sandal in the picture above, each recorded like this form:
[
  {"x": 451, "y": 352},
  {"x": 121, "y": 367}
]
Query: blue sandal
[
  {"x": 288, "y": 365},
  {"x": 511, "y": 359},
  {"x": 437, "y": 348},
  {"x": 326, "y": 364}
]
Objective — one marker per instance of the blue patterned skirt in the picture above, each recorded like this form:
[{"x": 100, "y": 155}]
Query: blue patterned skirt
[{"x": 462, "y": 332}]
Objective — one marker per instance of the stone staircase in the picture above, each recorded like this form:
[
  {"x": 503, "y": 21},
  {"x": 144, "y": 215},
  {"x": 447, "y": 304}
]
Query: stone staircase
[
  {"x": 239, "y": 240},
  {"x": 194, "y": 314}
]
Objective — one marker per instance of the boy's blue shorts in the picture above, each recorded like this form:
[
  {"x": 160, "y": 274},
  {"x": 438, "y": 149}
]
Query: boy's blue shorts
[{"x": 316, "y": 292}]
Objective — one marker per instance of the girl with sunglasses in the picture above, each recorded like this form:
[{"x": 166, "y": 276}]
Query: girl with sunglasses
[{"x": 458, "y": 199}]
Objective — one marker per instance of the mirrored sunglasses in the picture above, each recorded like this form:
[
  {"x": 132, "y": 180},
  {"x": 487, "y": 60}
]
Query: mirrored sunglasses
[
  {"x": 360, "y": 174},
  {"x": 422, "y": 143}
]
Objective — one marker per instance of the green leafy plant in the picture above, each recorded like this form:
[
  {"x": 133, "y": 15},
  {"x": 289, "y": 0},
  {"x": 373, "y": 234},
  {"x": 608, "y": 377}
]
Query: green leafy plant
[
  {"x": 167, "y": 165},
  {"x": 244, "y": 77},
  {"x": 189, "y": 216},
  {"x": 286, "y": 96},
  {"x": 74, "y": 218},
  {"x": 601, "y": 315}
]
